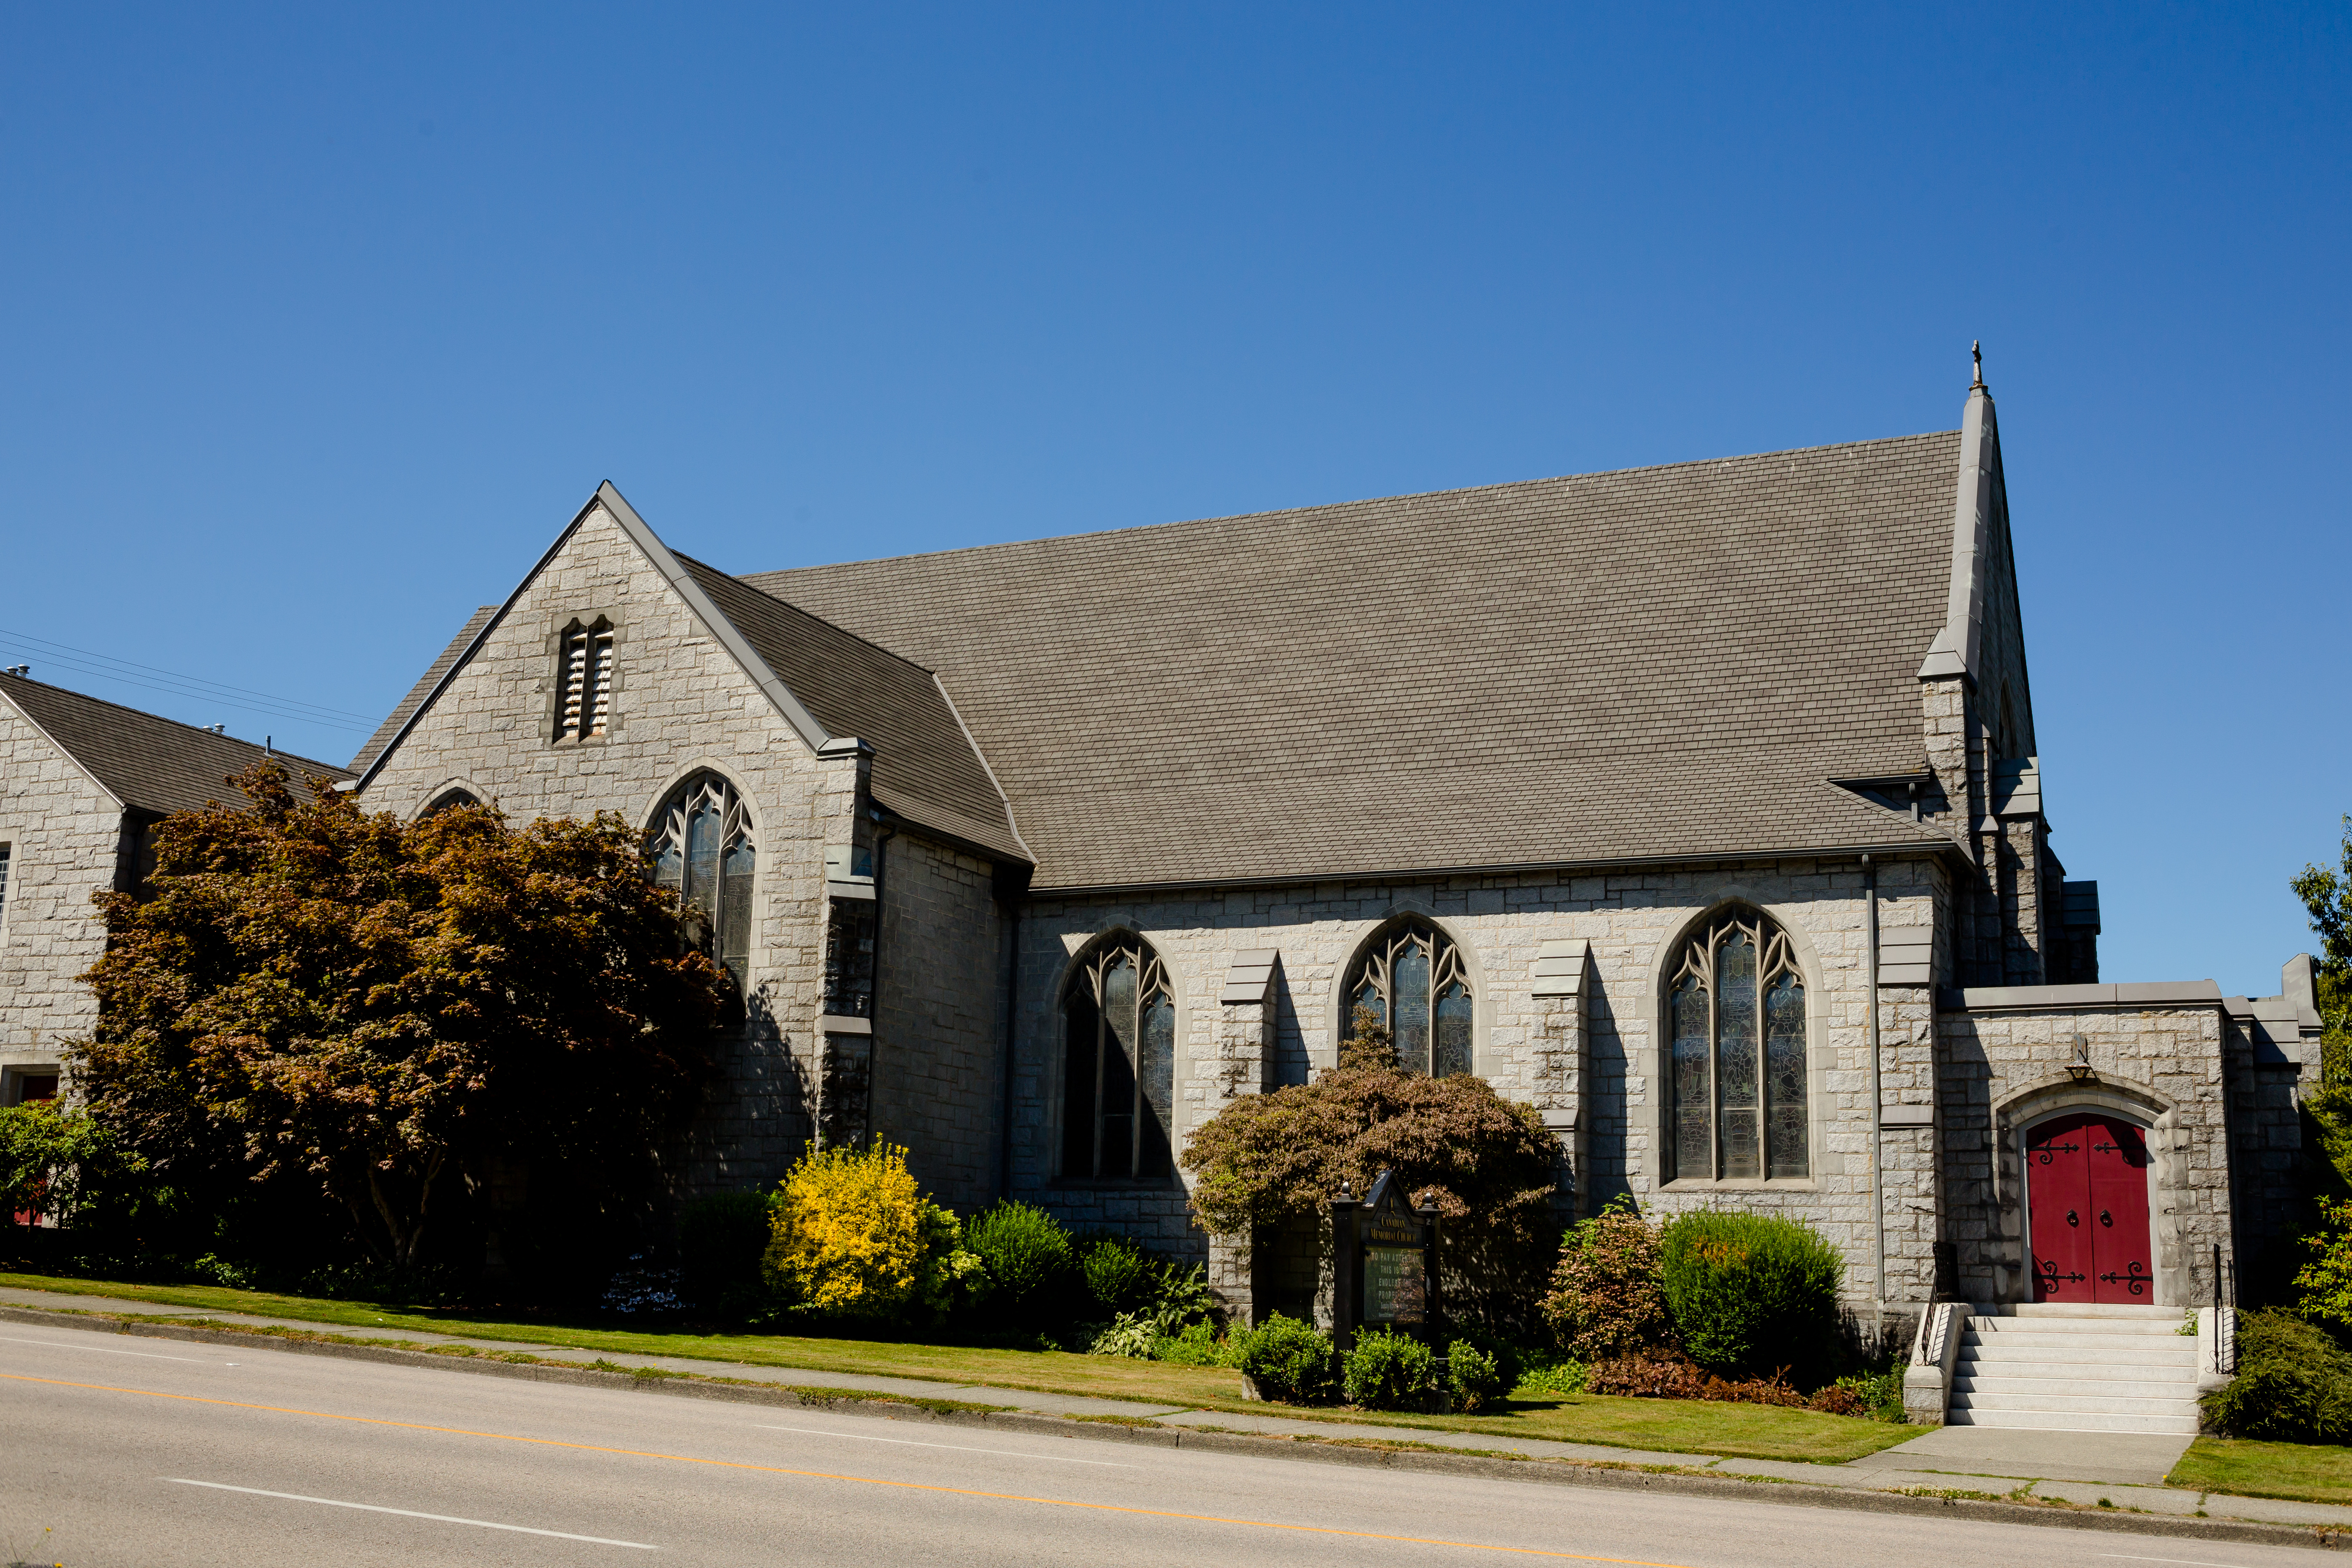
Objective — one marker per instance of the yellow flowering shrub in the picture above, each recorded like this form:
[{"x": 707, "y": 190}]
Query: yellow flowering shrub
[{"x": 855, "y": 1237}]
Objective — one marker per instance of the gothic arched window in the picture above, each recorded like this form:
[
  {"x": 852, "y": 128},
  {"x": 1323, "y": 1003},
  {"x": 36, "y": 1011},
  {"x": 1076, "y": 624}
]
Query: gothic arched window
[
  {"x": 702, "y": 847},
  {"x": 1737, "y": 1077},
  {"x": 448, "y": 800},
  {"x": 1118, "y": 1065},
  {"x": 1412, "y": 981}
]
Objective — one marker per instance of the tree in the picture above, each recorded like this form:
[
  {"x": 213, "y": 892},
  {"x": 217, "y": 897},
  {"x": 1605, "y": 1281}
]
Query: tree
[
  {"x": 46, "y": 1152},
  {"x": 381, "y": 1008},
  {"x": 2327, "y": 895},
  {"x": 1268, "y": 1160}
]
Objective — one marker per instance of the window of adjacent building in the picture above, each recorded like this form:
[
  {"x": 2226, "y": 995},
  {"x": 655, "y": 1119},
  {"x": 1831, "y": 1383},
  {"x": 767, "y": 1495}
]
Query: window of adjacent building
[
  {"x": 26, "y": 1085},
  {"x": 1118, "y": 1074},
  {"x": 585, "y": 677},
  {"x": 1411, "y": 980},
  {"x": 1738, "y": 1073},
  {"x": 701, "y": 846}
]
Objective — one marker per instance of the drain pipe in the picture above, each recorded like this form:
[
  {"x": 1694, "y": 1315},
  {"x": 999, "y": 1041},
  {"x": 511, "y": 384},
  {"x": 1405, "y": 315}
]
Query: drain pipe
[{"x": 1877, "y": 1110}]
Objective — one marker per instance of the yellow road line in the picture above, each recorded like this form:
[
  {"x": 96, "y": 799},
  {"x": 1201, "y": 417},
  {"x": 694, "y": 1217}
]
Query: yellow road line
[{"x": 860, "y": 1480}]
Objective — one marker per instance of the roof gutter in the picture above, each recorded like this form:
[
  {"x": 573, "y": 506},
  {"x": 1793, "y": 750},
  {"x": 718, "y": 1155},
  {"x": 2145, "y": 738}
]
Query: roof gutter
[{"x": 1915, "y": 848}]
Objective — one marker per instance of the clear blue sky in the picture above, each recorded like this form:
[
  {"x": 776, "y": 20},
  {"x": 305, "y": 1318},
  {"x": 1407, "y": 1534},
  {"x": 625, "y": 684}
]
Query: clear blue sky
[{"x": 319, "y": 326}]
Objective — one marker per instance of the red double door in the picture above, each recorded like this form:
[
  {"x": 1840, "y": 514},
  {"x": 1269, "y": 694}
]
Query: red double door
[{"x": 2087, "y": 1191}]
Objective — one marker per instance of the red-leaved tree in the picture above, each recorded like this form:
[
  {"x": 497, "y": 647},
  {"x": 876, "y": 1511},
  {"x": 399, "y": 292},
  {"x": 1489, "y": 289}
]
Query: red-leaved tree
[{"x": 385, "y": 1008}]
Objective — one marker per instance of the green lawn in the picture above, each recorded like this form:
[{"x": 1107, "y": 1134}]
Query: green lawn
[
  {"x": 1674, "y": 1425},
  {"x": 2303, "y": 1472}
]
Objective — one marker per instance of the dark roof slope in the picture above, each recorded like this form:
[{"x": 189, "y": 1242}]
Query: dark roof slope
[
  {"x": 924, "y": 765},
  {"x": 423, "y": 689},
  {"x": 143, "y": 759},
  {"x": 1654, "y": 662}
]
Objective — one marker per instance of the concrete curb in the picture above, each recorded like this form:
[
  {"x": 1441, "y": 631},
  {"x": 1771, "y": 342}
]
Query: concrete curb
[{"x": 1549, "y": 1472}]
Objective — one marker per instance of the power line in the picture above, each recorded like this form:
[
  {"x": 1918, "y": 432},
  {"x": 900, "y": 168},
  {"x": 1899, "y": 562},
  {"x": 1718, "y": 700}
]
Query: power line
[{"x": 241, "y": 698}]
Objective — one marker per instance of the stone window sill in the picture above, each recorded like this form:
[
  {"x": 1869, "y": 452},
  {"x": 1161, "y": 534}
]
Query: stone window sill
[{"x": 1737, "y": 1184}]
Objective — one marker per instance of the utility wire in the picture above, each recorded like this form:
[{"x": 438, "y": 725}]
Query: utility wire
[{"x": 176, "y": 684}]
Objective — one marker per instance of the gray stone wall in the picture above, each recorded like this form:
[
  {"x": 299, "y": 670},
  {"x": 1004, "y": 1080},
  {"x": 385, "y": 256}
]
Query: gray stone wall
[
  {"x": 680, "y": 704},
  {"x": 938, "y": 1025},
  {"x": 64, "y": 836},
  {"x": 2159, "y": 1066},
  {"x": 1632, "y": 922}
]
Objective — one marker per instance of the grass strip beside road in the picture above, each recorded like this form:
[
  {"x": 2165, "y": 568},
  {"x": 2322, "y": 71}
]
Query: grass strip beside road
[
  {"x": 2295, "y": 1472},
  {"x": 1668, "y": 1426}
]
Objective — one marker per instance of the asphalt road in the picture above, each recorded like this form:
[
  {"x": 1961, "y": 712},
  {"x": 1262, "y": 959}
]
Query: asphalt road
[{"x": 151, "y": 1453}]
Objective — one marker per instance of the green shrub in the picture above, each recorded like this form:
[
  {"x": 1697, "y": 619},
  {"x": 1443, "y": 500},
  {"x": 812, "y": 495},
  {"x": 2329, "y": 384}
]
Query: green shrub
[
  {"x": 1194, "y": 1344},
  {"x": 2294, "y": 1383},
  {"x": 1387, "y": 1371},
  {"x": 1607, "y": 1298},
  {"x": 1288, "y": 1360},
  {"x": 1129, "y": 1334},
  {"x": 1549, "y": 1378},
  {"x": 1474, "y": 1377},
  {"x": 1119, "y": 1277},
  {"x": 1752, "y": 1294},
  {"x": 1029, "y": 1261},
  {"x": 721, "y": 1240}
]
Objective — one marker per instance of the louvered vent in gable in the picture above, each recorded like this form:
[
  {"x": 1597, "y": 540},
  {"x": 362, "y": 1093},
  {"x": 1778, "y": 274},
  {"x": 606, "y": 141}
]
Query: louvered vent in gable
[{"x": 584, "y": 672}]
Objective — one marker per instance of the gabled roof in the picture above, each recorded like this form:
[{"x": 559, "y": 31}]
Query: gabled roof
[
  {"x": 925, "y": 768},
  {"x": 395, "y": 720},
  {"x": 1653, "y": 664},
  {"x": 144, "y": 760},
  {"x": 826, "y": 682}
]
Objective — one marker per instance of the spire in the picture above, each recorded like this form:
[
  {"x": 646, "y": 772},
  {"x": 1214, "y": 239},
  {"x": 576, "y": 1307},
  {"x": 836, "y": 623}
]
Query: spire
[{"x": 1976, "y": 357}]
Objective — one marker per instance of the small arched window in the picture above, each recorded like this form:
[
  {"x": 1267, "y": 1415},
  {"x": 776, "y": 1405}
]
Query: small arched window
[
  {"x": 1737, "y": 1079},
  {"x": 1118, "y": 1065},
  {"x": 448, "y": 800},
  {"x": 1412, "y": 981},
  {"x": 701, "y": 848}
]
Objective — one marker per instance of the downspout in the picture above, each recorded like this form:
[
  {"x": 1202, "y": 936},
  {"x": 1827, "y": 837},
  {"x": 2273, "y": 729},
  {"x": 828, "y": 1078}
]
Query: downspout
[
  {"x": 882, "y": 836},
  {"x": 1877, "y": 1112},
  {"x": 1012, "y": 1016}
]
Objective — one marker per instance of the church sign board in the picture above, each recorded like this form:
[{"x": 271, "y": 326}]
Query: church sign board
[{"x": 1384, "y": 1262}]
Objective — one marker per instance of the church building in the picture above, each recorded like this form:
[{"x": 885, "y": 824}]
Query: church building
[{"x": 1698, "y": 807}]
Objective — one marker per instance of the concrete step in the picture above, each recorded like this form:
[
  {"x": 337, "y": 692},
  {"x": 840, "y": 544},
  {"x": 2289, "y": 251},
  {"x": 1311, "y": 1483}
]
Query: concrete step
[
  {"x": 2110, "y": 1309},
  {"x": 2159, "y": 1347},
  {"x": 2000, "y": 1390},
  {"x": 2073, "y": 1355},
  {"x": 2126, "y": 1328},
  {"x": 2081, "y": 1405},
  {"x": 2058, "y": 1421}
]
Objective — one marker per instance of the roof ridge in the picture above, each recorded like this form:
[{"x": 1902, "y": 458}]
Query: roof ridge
[
  {"x": 166, "y": 718},
  {"x": 1330, "y": 506},
  {"x": 750, "y": 587}
]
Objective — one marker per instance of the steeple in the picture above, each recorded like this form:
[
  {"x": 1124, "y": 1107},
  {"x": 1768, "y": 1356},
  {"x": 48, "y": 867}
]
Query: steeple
[
  {"x": 1976, "y": 357},
  {"x": 1955, "y": 649}
]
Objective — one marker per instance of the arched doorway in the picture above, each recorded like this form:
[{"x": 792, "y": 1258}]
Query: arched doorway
[{"x": 2086, "y": 1176}]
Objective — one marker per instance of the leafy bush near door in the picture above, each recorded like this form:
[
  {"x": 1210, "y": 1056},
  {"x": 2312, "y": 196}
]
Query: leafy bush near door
[
  {"x": 2294, "y": 1383},
  {"x": 1752, "y": 1294}
]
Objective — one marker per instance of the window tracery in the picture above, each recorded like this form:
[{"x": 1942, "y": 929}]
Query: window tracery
[
  {"x": 1119, "y": 1073},
  {"x": 701, "y": 846},
  {"x": 1415, "y": 983},
  {"x": 1736, "y": 1077}
]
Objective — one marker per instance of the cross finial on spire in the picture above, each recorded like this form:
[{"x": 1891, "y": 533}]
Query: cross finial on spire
[{"x": 1976, "y": 357}]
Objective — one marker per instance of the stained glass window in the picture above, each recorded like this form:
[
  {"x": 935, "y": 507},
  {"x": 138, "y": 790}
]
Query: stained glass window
[
  {"x": 1119, "y": 1076},
  {"x": 701, "y": 849},
  {"x": 1736, "y": 1068},
  {"x": 1413, "y": 984}
]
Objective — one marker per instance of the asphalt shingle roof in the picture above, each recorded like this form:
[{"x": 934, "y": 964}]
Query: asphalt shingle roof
[
  {"x": 143, "y": 759},
  {"x": 924, "y": 765},
  {"x": 1667, "y": 662}
]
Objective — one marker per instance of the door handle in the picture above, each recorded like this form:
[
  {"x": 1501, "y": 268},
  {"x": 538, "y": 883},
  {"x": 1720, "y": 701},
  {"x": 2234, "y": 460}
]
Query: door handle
[
  {"x": 2106, "y": 1218},
  {"x": 2072, "y": 1218}
]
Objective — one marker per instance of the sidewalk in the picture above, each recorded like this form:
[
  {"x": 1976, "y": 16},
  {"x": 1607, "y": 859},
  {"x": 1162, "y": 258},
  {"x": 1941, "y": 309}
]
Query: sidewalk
[{"x": 2089, "y": 1468}]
